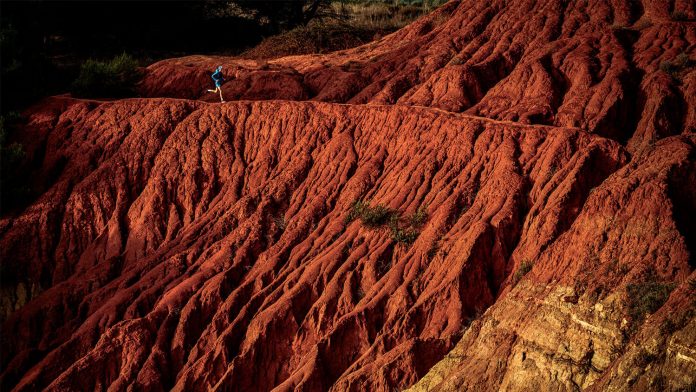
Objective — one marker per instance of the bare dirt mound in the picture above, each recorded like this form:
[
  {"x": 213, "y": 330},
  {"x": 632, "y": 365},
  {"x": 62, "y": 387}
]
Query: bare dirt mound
[{"x": 259, "y": 245}]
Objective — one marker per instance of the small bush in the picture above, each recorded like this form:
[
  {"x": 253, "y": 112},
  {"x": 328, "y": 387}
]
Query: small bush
[
  {"x": 376, "y": 216},
  {"x": 682, "y": 61},
  {"x": 670, "y": 69},
  {"x": 624, "y": 269},
  {"x": 615, "y": 266},
  {"x": 675, "y": 66},
  {"x": 679, "y": 15},
  {"x": 407, "y": 230},
  {"x": 668, "y": 327},
  {"x": 525, "y": 267},
  {"x": 467, "y": 321},
  {"x": 368, "y": 215},
  {"x": 114, "y": 78},
  {"x": 403, "y": 230},
  {"x": 646, "y": 297},
  {"x": 405, "y": 236},
  {"x": 13, "y": 188},
  {"x": 356, "y": 210},
  {"x": 418, "y": 218}
]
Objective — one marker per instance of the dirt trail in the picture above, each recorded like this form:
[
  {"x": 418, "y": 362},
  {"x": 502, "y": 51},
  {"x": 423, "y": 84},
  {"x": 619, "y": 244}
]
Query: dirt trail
[{"x": 68, "y": 99}]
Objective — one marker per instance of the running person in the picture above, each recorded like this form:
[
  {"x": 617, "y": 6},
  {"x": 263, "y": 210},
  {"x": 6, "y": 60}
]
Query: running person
[{"x": 218, "y": 79}]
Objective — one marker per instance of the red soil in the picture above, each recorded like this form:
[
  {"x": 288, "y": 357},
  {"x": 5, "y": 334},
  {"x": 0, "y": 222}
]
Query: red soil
[{"x": 179, "y": 244}]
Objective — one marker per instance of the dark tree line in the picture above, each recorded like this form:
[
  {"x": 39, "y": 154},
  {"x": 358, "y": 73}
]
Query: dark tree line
[
  {"x": 43, "y": 44},
  {"x": 44, "y": 41},
  {"x": 283, "y": 15}
]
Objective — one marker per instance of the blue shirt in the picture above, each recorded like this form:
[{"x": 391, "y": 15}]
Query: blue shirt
[{"x": 217, "y": 77}]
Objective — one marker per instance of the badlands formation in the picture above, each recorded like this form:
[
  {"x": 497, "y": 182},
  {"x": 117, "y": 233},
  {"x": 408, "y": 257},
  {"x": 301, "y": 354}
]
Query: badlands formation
[{"x": 488, "y": 199}]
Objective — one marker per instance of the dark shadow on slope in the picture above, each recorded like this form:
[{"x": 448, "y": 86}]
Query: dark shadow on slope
[
  {"x": 682, "y": 192},
  {"x": 621, "y": 121}
]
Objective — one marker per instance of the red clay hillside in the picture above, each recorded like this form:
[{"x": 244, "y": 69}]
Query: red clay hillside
[{"x": 500, "y": 196}]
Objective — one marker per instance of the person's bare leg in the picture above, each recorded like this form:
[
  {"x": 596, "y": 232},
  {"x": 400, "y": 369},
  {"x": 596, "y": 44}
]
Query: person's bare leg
[{"x": 221, "y": 98}]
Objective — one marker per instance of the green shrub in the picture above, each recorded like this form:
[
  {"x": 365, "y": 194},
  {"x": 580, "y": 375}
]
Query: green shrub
[
  {"x": 646, "y": 297},
  {"x": 404, "y": 235},
  {"x": 356, "y": 210},
  {"x": 403, "y": 230},
  {"x": 360, "y": 294},
  {"x": 368, "y": 215},
  {"x": 525, "y": 267},
  {"x": 114, "y": 78},
  {"x": 376, "y": 216},
  {"x": 5, "y": 122},
  {"x": 406, "y": 230},
  {"x": 418, "y": 218},
  {"x": 675, "y": 66},
  {"x": 12, "y": 155},
  {"x": 668, "y": 68},
  {"x": 683, "y": 61}
]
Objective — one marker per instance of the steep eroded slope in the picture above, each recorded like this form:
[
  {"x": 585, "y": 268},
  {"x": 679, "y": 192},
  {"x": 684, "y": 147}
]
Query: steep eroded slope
[
  {"x": 188, "y": 245},
  {"x": 223, "y": 256}
]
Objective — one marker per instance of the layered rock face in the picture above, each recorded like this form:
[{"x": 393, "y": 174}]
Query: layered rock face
[
  {"x": 183, "y": 244},
  {"x": 564, "y": 327}
]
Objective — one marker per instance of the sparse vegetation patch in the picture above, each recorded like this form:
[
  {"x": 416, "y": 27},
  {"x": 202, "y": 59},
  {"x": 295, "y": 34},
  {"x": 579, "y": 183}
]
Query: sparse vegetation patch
[
  {"x": 114, "y": 78},
  {"x": 13, "y": 188},
  {"x": 342, "y": 25},
  {"x": 525, "y": 267},
  {"x": 676, "y": 66},
  {"x": 370, "y": 216},
  {"x": 646, "y": 297},
  {"x": 404, "y": 230},
  {"x": 418, "y": 218}
]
